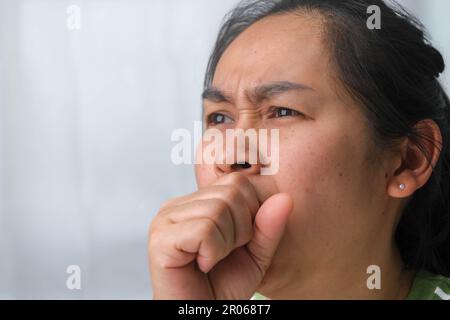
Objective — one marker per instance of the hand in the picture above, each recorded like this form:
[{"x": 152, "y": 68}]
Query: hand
[{"x": 216, "y": 243}]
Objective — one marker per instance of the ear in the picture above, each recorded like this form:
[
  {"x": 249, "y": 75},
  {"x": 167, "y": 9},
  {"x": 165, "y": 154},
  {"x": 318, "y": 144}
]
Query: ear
[{"x": 412, "y": 167}]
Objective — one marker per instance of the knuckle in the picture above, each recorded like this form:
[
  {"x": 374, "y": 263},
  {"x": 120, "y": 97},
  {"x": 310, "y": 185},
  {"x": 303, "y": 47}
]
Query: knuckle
[
  {"x": 236, "y": 178},
  {"x": 152, "y": 250},
  {"x": 156, "y": 224},
  {"x": 160, "y": 260},
  {"x": 217, "y": 243},
  {"x": 218, "y": 215},
  {"x": 166, "y": 204},
  {"x": 157, "y": 237},
  {"x": 222, "y": 217},
  {"x": 207, "y": 228},
  {"x": 219, "y": 207},
  {"x": 231, "y": 192},
  {"x": 155, "y": 240},
  {"x": 152, "y": 227}
]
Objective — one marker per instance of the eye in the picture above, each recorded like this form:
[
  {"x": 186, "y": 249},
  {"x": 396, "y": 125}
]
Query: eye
[
  {"x": 218, "y": 118},
  {"x": 281, "y": 112}
]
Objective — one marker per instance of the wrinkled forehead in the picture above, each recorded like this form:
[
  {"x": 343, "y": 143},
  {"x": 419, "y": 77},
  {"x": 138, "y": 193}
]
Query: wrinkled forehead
[{"x": 286, "y": 47}]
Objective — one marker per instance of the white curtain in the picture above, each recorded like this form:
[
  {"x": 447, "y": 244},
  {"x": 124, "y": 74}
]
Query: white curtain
[{"x": 86, "y": 117}]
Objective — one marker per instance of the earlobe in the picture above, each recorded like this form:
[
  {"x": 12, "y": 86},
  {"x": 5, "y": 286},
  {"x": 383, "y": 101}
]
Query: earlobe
[
  {"x": 402, "y": 187},
  {"x": 416, "y": 167},
  {"x": 411, "y": 175},
  {"x": 401, "y": 184}
]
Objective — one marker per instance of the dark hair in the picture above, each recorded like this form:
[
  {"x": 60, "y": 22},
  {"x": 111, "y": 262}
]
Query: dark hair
[{"x": 392, "y": 72}]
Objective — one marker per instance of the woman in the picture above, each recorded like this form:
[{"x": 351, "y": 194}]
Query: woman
[{"x": 358, "y": 207}]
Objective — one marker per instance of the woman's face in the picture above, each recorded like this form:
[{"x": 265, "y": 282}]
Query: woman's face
[{"x": 325, "y": 151}]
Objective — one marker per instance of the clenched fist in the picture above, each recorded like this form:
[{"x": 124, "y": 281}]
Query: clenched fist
[{"x": 216, "y": 243}]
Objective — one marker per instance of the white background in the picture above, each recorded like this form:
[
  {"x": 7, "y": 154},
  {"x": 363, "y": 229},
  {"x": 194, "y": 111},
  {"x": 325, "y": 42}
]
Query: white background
[{"x": 86, "y": 118}]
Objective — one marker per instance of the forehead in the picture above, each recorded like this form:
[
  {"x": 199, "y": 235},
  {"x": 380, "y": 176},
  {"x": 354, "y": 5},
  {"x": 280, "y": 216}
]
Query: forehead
[{"x": 286, "y": 47}]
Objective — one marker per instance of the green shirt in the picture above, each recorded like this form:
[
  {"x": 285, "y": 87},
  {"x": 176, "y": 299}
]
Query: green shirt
[{"x": 426, "y": 286}]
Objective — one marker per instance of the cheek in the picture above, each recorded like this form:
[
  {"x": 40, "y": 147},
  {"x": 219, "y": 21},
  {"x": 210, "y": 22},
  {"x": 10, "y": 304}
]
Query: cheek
[
  {"x": 303, "y": 161},
  {"x": 326, "y": 173},
  {"x": 317, "y": 171}
]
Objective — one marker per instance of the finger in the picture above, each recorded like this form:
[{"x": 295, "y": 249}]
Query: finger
[
  {"x": 234, "y": 189},
  {"x": 214, "y": 203},
  {"x": 214, "y": 209},
  {"x": 238, "y": 180},
  {"x": 270, "y": 223},
  {"x": 245, "y": 187},
  {"x": 200, "y": 239}
]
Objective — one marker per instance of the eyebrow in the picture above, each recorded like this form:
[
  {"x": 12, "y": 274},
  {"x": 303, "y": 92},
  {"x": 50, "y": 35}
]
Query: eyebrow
[{"x": 256, "y": 95}]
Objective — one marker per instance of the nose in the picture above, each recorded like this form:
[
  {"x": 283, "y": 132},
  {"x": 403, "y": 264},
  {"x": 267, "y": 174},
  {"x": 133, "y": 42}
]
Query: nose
[
  {"x": 244, "y": 159},
  {"x": 241, "y": 148}
]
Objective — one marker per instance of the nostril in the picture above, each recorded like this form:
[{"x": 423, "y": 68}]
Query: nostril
[{"x": 238, "y": 166}]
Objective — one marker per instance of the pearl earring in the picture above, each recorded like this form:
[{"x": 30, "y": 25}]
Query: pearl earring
[{"x": 402, "y": 186}]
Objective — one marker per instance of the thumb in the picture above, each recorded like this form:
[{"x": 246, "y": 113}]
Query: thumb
[{"x": 270, "y": 222}]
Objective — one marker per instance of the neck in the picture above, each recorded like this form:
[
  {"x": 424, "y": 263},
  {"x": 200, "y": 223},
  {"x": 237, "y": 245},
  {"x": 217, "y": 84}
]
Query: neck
[{"x": 342, "y": 279}]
